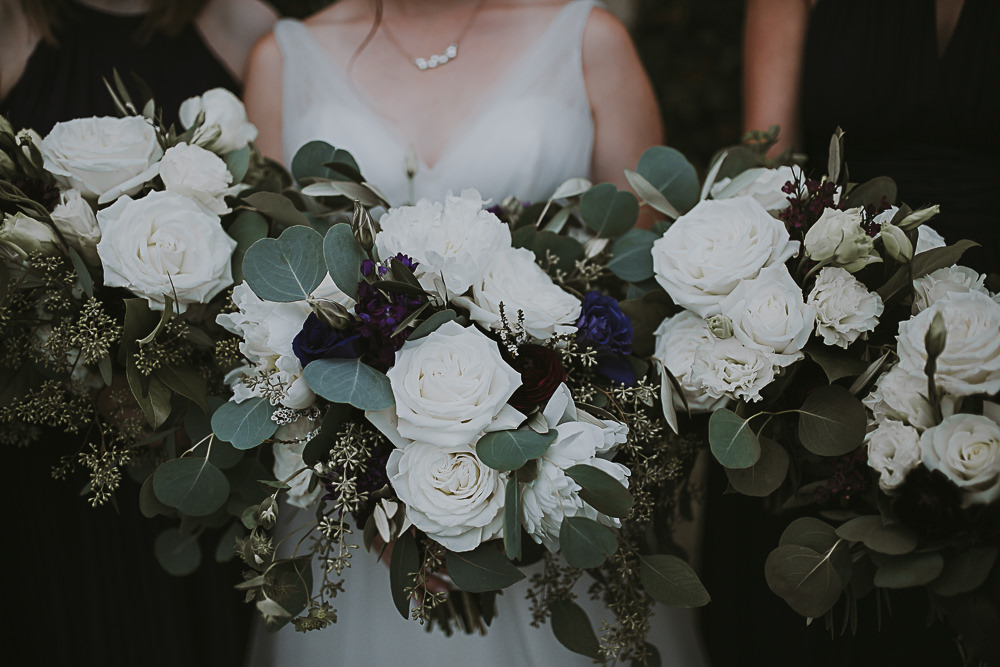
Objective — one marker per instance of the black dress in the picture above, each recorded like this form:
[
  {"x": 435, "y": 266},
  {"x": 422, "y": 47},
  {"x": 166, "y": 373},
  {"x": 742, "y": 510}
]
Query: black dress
[{"x": 82, "y": 585}]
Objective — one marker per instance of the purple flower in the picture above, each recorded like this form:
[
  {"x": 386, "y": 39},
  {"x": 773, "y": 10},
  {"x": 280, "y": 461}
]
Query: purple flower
[
  {"x": 316, "y": 340},
  {"x": 380, "y": 313},
  {"x": 604, "y": 327}
]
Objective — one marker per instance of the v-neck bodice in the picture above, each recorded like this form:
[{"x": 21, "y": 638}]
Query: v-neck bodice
[{"x": 528, "y": 132}]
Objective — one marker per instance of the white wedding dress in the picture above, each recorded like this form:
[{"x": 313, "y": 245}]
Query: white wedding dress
[{"x": 532, "y": 131}]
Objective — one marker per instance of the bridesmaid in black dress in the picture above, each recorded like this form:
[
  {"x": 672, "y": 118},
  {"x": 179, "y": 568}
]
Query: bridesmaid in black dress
[{"x": 82, "y": 584}]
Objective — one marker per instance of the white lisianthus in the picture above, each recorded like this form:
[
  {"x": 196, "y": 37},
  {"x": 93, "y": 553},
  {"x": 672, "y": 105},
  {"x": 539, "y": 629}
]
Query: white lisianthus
[
  {"x": 453, "y": 240},
  {"x": 845, "y": 308},
  {"x": 893, "y": 451},
  {"x": 677, "y": 341},
  {"x": 450, "y": 385},
  {"x": 226, "y": 127},
  {"x": 163, "y": 245},
  {"x": 928, "y": 289},
  {"x": 900, "y": 396},
  {"x": 928, "y": 239},
  {"x": 966, "y": 449},
  {"x": 704, "y": 255},
  {"x": 102, "y": 157},
  {"x": 727, "y": 368},
  {"x": 291, "y": 442},
  {"x": 766, "y": 188},
  {"x": 552, "y": 495},
  {"x": 511, "y": 278},
  {"x": 74, "y": 218},
  {"x": 970, "y": 361},
  {"x": 199, "y": 174},
  {"x": 21, "y": 235},
  {"x": 838, "y": 239},
  {"x": 449, "y": 493}
]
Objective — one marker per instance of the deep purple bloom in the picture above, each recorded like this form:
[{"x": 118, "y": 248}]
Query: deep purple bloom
[
  {"x": 316, "y": 340},
  {"x": 541, "y": 373},
  {"x": 380, "y": 313},
  {"x": 604, "y": 327}
]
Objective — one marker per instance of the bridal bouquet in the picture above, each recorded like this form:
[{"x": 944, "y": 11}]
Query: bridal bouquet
[{"x": 470, "y": 397}]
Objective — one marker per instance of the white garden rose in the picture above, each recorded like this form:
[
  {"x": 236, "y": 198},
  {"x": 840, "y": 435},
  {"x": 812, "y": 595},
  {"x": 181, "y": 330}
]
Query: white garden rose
[
  {"x": 163, "y": 245},
  {"x": 226, "y": 127},
  {"x": 74, "y": 217},
  {"x": 704, "y": 255},
  {"x": 202, "y": 175},
  {"x": 102, "y": 157},
  {"x": 935, "y": 285},
  {"x": 768, "y": 314},
  {"x": 966, "y": 449},
  {"x": 893, "y": 451},
  {"x": 927, "y": 239},
  {"x": 899, "y": 395},
  {"x": 452, "y": 241},
  {"x": 845, "y": 308},
  {"x": 970, "y": 361},
  {"x": 511, "y": 278},
  {"x": 729, "y": 369},
  {"x": 291, "y": 442},
  {"x": 21, "y": 236},
  {"x": 838, "y": 239},
  {"x": 450, "y": 385},
  {"x": 765, "y": 188},
  {"x": 677, "y": 341},
  {"x": 449, "y": 493}
]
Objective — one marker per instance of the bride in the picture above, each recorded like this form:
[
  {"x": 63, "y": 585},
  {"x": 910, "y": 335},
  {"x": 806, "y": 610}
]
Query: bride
[{"x": 511, "y": 97}]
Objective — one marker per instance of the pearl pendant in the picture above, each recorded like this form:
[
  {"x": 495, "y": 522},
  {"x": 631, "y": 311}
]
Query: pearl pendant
[{"x": 437, "y": 59}]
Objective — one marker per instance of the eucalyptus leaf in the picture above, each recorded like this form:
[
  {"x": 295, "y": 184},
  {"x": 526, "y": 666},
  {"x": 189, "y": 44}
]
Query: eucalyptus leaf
[
  {"x": 178, "y": 554},
  {"x": 238, "y": 162},
  {"x": 512, "y": 519},
  {"x": 360, "y": 192},
  {"x": 832, "y": 422},
  {"x": 186, "y": 381},
  {"x": 810, "y": 532},
  {"x": 631, "y": 255},
  {"x": 585, "y": 543},
  {"x": 922, "y": 264},
  {"x": 198, "y": 426},
  {"x": 277, "y": 207},
  {"x": 601, "y": 491},
  {"x": 871, "y": 193},
  {"x": 836, "y": 362},
  {"x": 739, "y": 182},
  {"x": 911, "y": 570},
  {"x": 608, "y": 211},
  {"x": 733, "y": 442},
  {"x": 245, "y": 424},
  {"x": 891, "y": 539},
  {"x": 713, "y": 173},
  {"x": 650, "y": 195},
  {"x": 152, "y": 395},
  {"x": 343, "y": 257},
  {"x": 403, "y": 568},
  {"x": 766, "y": 475},
  {"x": 312, "y": 159},
  {"x": 225, "y": 550},
  {"x": 572, "y": 628},
  {"x": 572, "y": 187},
  {"x": 289, "y": 583},
  {"x": 806, "y": 579},
  {"x": 248, "y": 228},
  {"x": 670, "y": 172},
  {"x": 509, "y": 450},
  {"x": 287, "y": 268},
  {"x": 318, "y": 449},
  {"x": 670, "y": 580},
  {"x": 431, "y": 324},
  {"x": 192, "y": 485},
  {"x": 86, "y": 282},
  {"x": 558, "y": 221},
  {"x": 965, "y": 572},
  {"x": 564, "y": 249},
  {"x": 149, "y": 504},
  {"x": 350, "y": 381},
  {"x": 871, "y": 371},
  {"x": 483, "y": 569}
]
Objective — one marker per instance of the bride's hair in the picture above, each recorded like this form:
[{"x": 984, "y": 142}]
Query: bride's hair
[
  {"x": 370, "y": 36},
  {"x": 167, "y": 16}
]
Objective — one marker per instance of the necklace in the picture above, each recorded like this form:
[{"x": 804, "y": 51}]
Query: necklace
[{"x": 437, "y": 59}]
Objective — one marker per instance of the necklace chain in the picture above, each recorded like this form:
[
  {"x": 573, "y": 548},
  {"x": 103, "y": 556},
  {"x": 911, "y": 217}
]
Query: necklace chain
[{"x": 437, "y": 59}]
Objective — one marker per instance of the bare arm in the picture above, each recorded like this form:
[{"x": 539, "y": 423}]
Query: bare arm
[
  {"x": 626, "y": 115},
  {"x": 231, "y": 27},
  {"x": 17, "y": 42},
  {"x": 262, "y": 94},
  {"x": 774, "y": 38}
]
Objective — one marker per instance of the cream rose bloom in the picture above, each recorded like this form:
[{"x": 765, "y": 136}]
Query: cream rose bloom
[
  {"x": 226, "y": 127},
  {"x": 727, "y": 368},
  {"x": 928, "y": 239},
  {"x": 102, "y": 157},
  {"x": 845, "y": 308},
  {"x": 202, "y": 175},
  {"x": 677, "y": 341},
  {"x": 766, "y": 188},
  {"x": 951, "y": 279},
  {"x": 899, "y": 395},
  {"x": 452, "y": 241},
  {"x": 966, "y": 449},
  {"x": 970, "y": 362},
  {"x": 838, "y": 239},
  {"x": 449, "y": 493},
  {"x": 21, "y": 235},
  {"x": 704, "y": 255},
  {"x": 75, "y": 219},
  {"x": 893, "y": 451}
]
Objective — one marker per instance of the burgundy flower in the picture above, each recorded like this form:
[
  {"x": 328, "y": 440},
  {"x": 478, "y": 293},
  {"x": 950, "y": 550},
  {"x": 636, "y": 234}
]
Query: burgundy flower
[{"x": 541, "y": 372}]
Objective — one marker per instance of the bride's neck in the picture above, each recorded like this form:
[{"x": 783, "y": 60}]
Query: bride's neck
[{"x": 424, "y": 7}]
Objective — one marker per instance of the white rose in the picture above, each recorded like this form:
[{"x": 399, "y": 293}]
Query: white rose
[
  {"x": 677, "y": 340},
  {"x": 199, "y": 174},
  {"x": 845, "y": 308},
  {"x": 552, "y": 495},
  {"x": 727, "y": 368},
  {"x": 449, "y": 493},
  {"x": 74, "y": 218},
  {"x": 165, "y": 245},
  {"x": 226, "y": 127},
  {"x": 292, "y": 440},
  {"x": 935, "y": 285},
  {"x": 102, "y": 157},
  {"x": 450, "y": 385},
  {"x": 970, "y": 362},
  {"x": 21, "y": 236},
  {"x": 893, "y": 451},
  {"x": 966, "y": 449},
  {"x": 838, "y": 238},
  {"x": 928, "y": 239},
  {"x": 512, "y": 278},
  {"x": 710, "y": 249},
  {"x": 899, "y": 395},
  {"x": 453, "y": 241},
  {"x": 766, "y": 188}
]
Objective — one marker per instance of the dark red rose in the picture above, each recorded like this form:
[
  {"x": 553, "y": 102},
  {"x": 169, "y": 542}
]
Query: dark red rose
[{"x": 541, "y": 372}]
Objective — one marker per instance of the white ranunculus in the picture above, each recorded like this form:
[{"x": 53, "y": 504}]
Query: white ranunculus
[
  {"x": 74, "y": 218},
  {"x": 928, "y": 239},
  {"x": 893, "y": 451},
  {"x": 552, "y": 495},
  {"x": 899, "y": 395},
  {"x": 21, "y": 235},
  {"x": 766, "y": 188},
  {"x": 727, "y": 368},
  {"x": 838, "y": 239},
  {"x": 677, "y": 340},
  {"x": 845, "y": 308},
  {"x": 165, "y": 244},
  {"x": 226, "y": 127},
  {"x": 935, "y": 285},
  {"x": 966, "y": 449},
  {"x": 512, "y": 278},
  {"x": 970, "y": 362},
  {"x": 449, "y": 493},
  {"x": 102, "y": 157},
  {"x": 768, "y": 314},
  {"x": 453, "y": 240},
  {"x": 292, "y": 440},
  {"x": 450, "y": 385},
  {"x": 703, "y": 256},
  {"x": 197, "y": 173}
]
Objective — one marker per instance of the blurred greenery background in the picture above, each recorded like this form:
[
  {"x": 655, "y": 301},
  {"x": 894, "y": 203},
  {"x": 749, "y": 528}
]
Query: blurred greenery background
[{"x": 691, "y": 50}]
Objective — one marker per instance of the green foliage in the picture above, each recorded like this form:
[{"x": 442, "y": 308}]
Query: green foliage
[
  {"x": 288, "y": 584},
  {"x": 343, "y": 258},
  {"x": 965, "y": 571},
  {"x": 483, "y": 569},
  {"x": 766, "y": 475},
  {"x": 835, "y": 362},
  {"x": 238, "y": 162},
  {"x": 631, "y": 258},
  {"x": 350, "y": 381},
  {"x": 318, "y": 449},
  {"x": 832, "y": 422},
  {"x": 601, "y": 491},
  {"x": 572, "y": 628},
  {"x": 646, "y": 313},
  {"x": 224, "y": 550},
  {"x": 431, "y": 324},
  {"x": 193, "y": 486},
  {"x": 608, "y": 211},
  {"x": 403, "y": 568},
  {"x": 177, "y": 553},
  {"x": 922, "y": 264},
  {"x": 871, "y": 193},
  {"x": 512, "y": 519},
  {"x": 245, "y": 424},
  {"x": 733, "y": 442},
  {"x": 892, "y": 538},
  {"x": 248, "y": 228},
  {"x": 670, "y": 580},
  {"x": 509, "y": 450},
  {"x": 667, "y": 170},
  {"x": 287, "y": 268},
  {"x": 584, "y": 543},
  {"x": 277, "y": 207},
  {"x": 318, "y": 159},
  {"x": 913, "y": 569}
]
